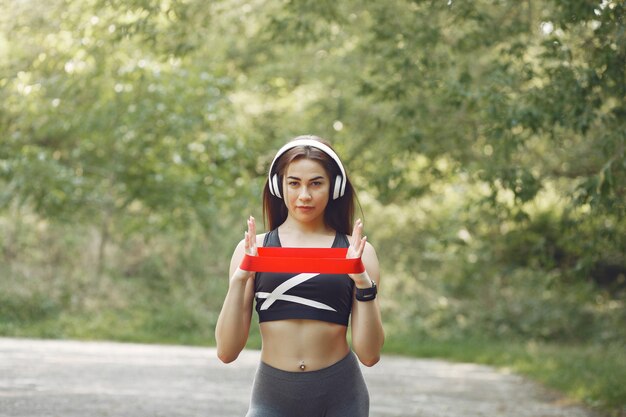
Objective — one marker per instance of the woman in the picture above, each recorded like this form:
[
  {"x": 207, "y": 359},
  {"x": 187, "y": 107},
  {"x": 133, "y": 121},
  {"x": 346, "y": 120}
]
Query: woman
[{"x": 307, "y": 367}]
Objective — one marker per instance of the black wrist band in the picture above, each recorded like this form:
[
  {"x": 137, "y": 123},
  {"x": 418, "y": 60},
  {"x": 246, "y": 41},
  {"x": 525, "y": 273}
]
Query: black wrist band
[{"x": 367, "y": 294}]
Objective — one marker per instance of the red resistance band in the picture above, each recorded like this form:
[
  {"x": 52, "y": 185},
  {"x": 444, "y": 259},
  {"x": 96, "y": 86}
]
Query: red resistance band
[{"x": 300, "y": 260}]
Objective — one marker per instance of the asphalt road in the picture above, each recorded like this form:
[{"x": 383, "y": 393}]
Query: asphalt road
[{"x": 93, "y": 379}]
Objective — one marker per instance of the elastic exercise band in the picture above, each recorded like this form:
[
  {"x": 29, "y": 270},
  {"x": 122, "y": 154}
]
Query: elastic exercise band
[{"x": 300, "y": 260}]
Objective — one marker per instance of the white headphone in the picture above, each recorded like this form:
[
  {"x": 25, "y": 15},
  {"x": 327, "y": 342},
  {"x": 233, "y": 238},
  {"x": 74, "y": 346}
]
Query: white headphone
[{"x": 340, "y": 180}]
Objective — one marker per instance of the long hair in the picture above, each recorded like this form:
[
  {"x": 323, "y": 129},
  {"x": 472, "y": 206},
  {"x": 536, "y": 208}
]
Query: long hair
[{"x": 339, "y": 213}]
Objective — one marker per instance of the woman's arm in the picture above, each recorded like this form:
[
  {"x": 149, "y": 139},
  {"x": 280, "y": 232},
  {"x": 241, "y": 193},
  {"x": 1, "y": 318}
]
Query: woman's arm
[
  {"x": 368, "y": 335},
  {"x": 233, "y": 323}
]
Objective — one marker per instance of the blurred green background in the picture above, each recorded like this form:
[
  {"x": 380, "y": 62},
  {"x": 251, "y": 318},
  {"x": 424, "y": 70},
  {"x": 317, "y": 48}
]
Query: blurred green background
[{"x": 485, "y": 139}]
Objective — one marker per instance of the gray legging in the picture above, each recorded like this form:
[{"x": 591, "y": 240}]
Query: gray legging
[{"x": 336, "y": 391}]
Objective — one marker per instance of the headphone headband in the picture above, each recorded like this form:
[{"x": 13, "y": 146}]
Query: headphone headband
[{"x": 340, "y": 182}]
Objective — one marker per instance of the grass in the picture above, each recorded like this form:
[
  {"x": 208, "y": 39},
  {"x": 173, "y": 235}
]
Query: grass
[
  {"x": 136, "y": 325},
  {"x": 594, "y": 375}
]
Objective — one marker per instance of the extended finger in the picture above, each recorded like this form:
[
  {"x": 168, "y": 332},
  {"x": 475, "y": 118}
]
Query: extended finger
[
  {"x": 362, "y": 243},
  {"x": 252, "y": 235},
  {"x": 356, "y": 233},
  {"x": 252, "y": 226},
  {"x": 246, "y": 242},
  {"x": 360, "y": 234}
]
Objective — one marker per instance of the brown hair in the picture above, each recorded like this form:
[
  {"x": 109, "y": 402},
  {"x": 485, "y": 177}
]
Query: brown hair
[{"x": 339, "y": 213}]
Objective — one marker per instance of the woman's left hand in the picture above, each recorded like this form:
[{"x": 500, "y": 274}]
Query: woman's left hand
[{"x": 357, "y": 244}]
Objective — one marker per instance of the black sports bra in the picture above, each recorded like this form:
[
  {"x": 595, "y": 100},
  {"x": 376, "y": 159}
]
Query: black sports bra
[{"x": 325, "y": 297}]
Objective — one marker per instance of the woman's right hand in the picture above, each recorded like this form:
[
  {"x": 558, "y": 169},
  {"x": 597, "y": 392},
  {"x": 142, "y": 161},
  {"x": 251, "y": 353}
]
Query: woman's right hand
[
  {"x": 250, "y": 238},
  {"x": 250, "y": 248},
  {"x": 233, "y": 323}
]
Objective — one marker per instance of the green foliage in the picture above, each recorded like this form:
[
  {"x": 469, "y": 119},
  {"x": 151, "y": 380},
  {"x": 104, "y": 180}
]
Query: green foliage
[
  {"x": 588, "y": 374},
  {"x": 149, "y": 296},
  {"x": 97, "y": 124}
]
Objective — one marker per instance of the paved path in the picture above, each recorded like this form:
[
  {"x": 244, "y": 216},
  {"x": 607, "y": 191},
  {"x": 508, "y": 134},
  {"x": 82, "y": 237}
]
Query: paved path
[{"x": 96, "y": 379}]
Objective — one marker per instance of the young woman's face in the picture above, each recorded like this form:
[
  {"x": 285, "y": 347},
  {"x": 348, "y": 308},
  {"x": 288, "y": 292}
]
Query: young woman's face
[{"x": 306, "y": 188}]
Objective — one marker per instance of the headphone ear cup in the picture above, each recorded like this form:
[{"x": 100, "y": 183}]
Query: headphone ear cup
[
  {"x": 274, "y": 188},
  {"x": 337, "y": 187},
  {"x": 344, "y": 182}
]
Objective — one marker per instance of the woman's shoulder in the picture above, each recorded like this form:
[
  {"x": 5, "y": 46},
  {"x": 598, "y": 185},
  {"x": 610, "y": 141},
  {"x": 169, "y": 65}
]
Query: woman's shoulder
[
  {"x": 369, "y": 252},
  {"x": 260, "y": 239}
]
